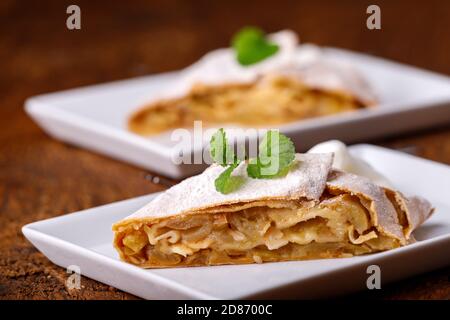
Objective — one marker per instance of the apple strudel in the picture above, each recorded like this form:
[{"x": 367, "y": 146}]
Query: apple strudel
[
  {"x": 293, "y": 83},
  {"x": 312, "y": 212}
]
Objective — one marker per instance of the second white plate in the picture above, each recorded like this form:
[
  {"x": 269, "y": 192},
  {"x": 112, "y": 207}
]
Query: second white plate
[{"x": 95, "y": 117}]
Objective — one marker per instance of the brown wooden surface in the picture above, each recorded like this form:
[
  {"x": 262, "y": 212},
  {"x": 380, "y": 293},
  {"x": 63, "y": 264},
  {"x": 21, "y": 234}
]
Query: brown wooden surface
[{"x": 41, "y": 177}]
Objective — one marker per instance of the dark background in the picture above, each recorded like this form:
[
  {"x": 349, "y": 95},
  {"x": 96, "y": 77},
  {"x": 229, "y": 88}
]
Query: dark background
[{"x": 41, "y": 178}]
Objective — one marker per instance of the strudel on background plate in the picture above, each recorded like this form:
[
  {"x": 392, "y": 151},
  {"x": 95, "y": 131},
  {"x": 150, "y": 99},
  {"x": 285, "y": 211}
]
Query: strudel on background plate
[
  {"x": 296, "y": 82},
  {"x": 313, "y": 212}
]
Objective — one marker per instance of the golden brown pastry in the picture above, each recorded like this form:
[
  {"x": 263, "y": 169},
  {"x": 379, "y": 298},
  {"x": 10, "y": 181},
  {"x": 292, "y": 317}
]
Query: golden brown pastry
[
  {"x": 298, "y": 82},
  {"x": 313, "y": 212},
  {"x": 266, "y": 102}
]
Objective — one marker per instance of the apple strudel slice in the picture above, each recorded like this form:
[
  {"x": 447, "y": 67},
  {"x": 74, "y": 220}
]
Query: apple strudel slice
[
  {"x": 313, "y": 212},
  {"x": 295, "y": 83},
  {"x": 270, "y": 100}
]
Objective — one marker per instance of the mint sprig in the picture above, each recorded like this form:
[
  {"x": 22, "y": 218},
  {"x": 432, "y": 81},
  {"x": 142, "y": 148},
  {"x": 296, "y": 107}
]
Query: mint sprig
[
  {"x": 275, "y": 157},
  {"x": 276, "y": 154},
  {"x": 225, "y": 182},
  {"x": 220, "y": 151},
  {"x": 222, "y": 154},
  {"x": 252, "y": 46}
]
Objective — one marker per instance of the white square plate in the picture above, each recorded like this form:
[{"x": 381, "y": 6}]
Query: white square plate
[
  {"x": 95, "y": 117},
  {"x": 85, "y": 239}
]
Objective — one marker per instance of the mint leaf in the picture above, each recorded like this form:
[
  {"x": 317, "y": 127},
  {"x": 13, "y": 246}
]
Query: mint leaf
[
  {"x": 275, "y": 156},
  {"x": 251, "y": 46},
  {"x": 253, "y": 168},
  {"x": 220, "y": 152},
  {"x": 226, "y": 183}
]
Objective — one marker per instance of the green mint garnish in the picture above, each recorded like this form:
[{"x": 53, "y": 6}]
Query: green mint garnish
[
  {"x": 225, "y": 182},
  {"x": 251, "y": 46},
  {"x": 276, "y": 154},
  {"x": 221, "y": 152},
  {"x": 275, "y": 157}
]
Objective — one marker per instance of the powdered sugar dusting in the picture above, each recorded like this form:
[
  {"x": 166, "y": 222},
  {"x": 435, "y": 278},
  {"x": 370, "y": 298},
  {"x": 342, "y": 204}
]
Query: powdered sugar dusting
[
  {"x": 307, "y": 63},
  {"x": 306, "y": 179}
]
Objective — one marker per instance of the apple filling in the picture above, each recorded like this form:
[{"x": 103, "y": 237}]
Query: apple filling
[
  {"x": 339, "y": 226},
  {"x": 269, "y": 101}
]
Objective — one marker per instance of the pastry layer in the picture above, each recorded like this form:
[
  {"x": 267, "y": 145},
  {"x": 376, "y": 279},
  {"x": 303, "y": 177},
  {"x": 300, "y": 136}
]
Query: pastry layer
[
  {"x": 271, "y": 100},
  {"x": 340, "y": 225}
]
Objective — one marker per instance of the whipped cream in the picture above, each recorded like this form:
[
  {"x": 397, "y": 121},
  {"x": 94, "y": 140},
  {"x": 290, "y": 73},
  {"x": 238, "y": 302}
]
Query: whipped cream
[
  {"x": 345, "y": 161},
  {"x": 306, "y": 62}
]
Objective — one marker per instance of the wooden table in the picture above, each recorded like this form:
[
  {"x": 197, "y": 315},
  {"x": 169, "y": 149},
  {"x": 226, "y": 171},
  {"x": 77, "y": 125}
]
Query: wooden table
[{"x": 42, "y": 178}]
